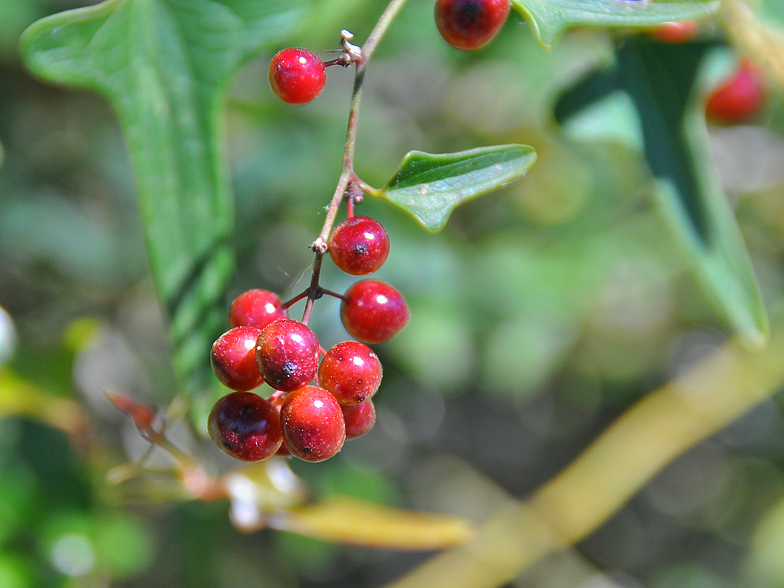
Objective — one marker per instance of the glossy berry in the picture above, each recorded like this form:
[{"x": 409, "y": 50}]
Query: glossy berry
[
  {"x": 233, "y": 359},
  {"x": 297, "y": 75},
  {"x": 470, "y": 24},
  {"x": 287, "y": 354},
  {"x": 245, "y": 426},
  {"x": 676, "y": 32},
  {"x": 359, "y": 418},
  {"x": 351, "y": 372},
  {"x": 256, "y": 308},
  {"x": 359, "y": 245},
  {"x": 739, "y": 97},
  {"x": 374, "y": 311},
  {"x": 313, "y": 424}
]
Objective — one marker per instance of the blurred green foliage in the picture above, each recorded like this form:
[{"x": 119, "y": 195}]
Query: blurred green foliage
[{"x": 538, "y": 315}]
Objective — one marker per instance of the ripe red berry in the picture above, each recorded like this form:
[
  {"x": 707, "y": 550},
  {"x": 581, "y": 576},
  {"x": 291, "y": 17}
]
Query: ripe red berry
[
  {"x": 470, "y": 24},
  {"x": 351, "y": 372},
  {"x": 676, "y": 32},
  {"x": 359, "y": 245},
  {"x": 256, "y": 308},
  {"x": 374, "y": 311},
  {"x": 287, "y": 354},
  {"x": 245, "y": 426},
  {"x": 359, "y": 418},
  {"x": 233, "y": 359},
  {"x": 297, "y": 75},
  {"x": 313, "y": 424},
  {"x": 739, "y": 97}
]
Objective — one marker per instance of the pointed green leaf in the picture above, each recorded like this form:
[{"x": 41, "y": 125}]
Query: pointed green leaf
[
  {"x": 549, "y": 18},
  {"x": 429, "y": 186},
  {"x": 661, "y": 80},
  {"x": 164, "y": 66}
]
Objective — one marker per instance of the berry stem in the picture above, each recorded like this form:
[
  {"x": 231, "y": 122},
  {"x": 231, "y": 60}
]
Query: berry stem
[
  {"x": 367, "y": 188},
  {"x": 296, "y": 299},
  {"x": 347, "y": 174},
  {"x": 314, "y": 291},
  {"x": 350, "y": 207},
  {"x": 333, "y": 294}
]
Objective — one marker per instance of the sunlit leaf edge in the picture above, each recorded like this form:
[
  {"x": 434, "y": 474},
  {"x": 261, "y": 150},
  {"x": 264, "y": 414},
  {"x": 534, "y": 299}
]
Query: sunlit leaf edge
[
  {"x": 513, "y": 161},
  {"x": 549, "y": 19}
]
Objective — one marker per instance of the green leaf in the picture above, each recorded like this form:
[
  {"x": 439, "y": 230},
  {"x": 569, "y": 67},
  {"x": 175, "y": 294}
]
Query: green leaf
[
  {"x": 164, "y": 66},
  {"x": 661, "y": 79},
  {"x": 549, "y": 18},
  {"x": 429, "y": 186}
]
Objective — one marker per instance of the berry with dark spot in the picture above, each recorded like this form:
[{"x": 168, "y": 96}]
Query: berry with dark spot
[
  {"x": 287, "y": 354},
  {"x": 351, "y": 372},
  {"x": 245, "y": 426},
  {"x": 470, "y": 24},
  {"x": 313, "y": 424},
  {"x": 359, "y": 245}
]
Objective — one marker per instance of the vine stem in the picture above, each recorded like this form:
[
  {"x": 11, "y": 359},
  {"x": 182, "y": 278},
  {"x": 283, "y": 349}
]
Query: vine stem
[
  {"x": 361, "y": 57},
  {"x": 633, "y": 449}
]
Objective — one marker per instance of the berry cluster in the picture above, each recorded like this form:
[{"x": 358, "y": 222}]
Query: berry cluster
[{"x": 308, "y": 421}]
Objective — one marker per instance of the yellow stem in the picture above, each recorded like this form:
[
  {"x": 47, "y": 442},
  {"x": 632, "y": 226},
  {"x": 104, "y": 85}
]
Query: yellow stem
[{"x": 622, "y": 460}]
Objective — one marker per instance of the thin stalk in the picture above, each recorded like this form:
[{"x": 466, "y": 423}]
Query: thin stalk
[
  {"x": 378, "y": 32},
  {"x": 314, "y": 291}
]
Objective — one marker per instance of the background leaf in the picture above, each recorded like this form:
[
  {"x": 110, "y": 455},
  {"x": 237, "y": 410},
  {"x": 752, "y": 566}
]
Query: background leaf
[
  {"x": 430, "y": 186},
  {"x": 164, "y": 65},
  {"x": 549, "y": 18},
  {"x": 687, "y": 186}
]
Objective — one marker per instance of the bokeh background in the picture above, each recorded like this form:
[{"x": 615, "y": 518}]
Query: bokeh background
[{"x": 539, "y": 314}]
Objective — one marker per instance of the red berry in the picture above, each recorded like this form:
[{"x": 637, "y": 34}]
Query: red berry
[
  {"x": 359, "y": 419},
  {"x": 297, "y": 75},
  {"x": 374, "y": 311},
  {"x": 245, "y": 426},
  {"x": 287, "y": 354},
  {"x": 234, "y": 360},
  {"x": 313, "y": 425},
  {"x": 676, "y": 32},
  {"x": 470, "y": 24},
  {"x": 739, "y": 97},
  {"x": 256, "y": 308},
  {"x": 359, "y": 245},
  {"x": 351, "y": 372}
]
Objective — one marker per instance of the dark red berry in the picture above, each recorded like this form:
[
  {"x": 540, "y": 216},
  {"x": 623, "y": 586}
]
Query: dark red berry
[
  {"x": 256, "y": 308},
  {"x": 245, "y": 426},
  {"x": 359, "y": 418},
  {"x": 676, "y": 32},
  {"x": 470, "y": 24},
  {"x": 297, "y": 75},
  {"x": 313, "y": 425},
  {"x": 359, "y": 245},
  {"x": 287, "y": 354},
  {"x": 374, "y": 311},
  {"x": 739, "y": 97},
  {"x": 351, "y": 372},
  {"x": 233, "y": 359}
]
